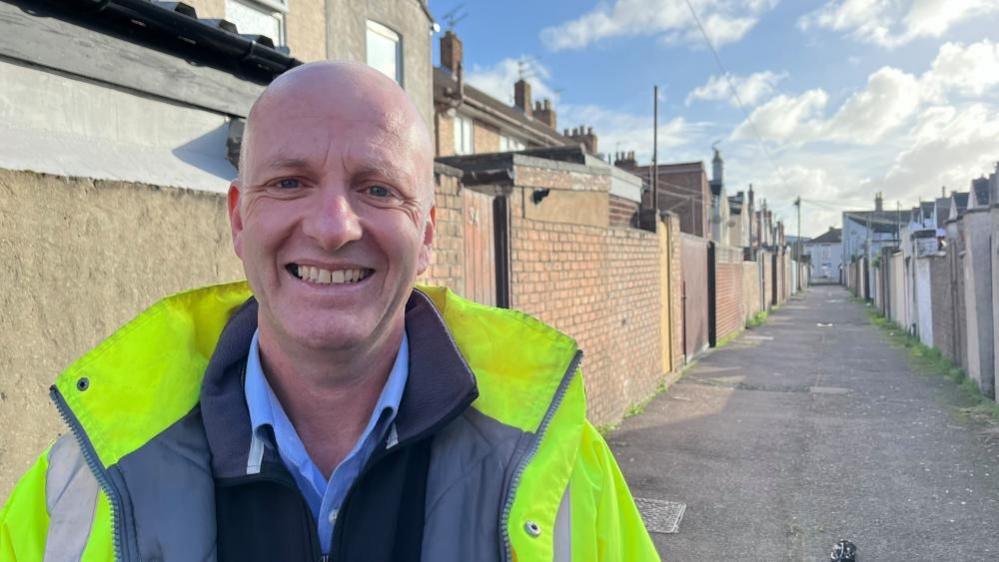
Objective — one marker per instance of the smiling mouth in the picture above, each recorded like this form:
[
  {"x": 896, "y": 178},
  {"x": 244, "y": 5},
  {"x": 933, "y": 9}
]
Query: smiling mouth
[{"x": 320, "y": 276}]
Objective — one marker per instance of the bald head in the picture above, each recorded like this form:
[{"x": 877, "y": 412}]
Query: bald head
[{"x": 339, "y": 93}]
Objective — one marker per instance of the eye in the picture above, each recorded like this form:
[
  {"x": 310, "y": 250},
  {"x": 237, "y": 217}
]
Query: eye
[
  {"x": 287, "y": 183},
  {"x": 379, "y": 191}
]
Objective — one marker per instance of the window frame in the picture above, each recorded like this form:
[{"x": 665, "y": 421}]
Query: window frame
[
  {"x": 277, "y": 8},
  {"x": 386, "y": 32}
]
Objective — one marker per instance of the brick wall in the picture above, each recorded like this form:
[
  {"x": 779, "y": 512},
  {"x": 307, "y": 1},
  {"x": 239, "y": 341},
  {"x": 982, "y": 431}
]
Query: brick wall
[
  {"x": 674, "y": 291},
  {"x": 729, "y": 315},
  {"x": 573, "y": 277},
  {"x": 486, "y": 138},
  {"x": 622, "y": 211},
  {"x": 448, "y": 257},
  {"x": 444, "y": 129}
]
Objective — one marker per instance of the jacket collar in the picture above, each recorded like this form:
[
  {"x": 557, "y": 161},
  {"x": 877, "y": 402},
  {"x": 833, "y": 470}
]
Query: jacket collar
[{"x": 439, "y": 388}]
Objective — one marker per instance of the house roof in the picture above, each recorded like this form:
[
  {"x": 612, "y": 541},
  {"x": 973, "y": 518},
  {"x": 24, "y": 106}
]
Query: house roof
[
  {"x": 880, "y": 221},
  {"x": 943, "y": 209},
  {"x": 174, "y": 28},
  {"x": 446, "y": 88},
  {"x": 960, "y": 199},
  {"x": 927, "y": 208},
  {"x": 831, "y": 236}
]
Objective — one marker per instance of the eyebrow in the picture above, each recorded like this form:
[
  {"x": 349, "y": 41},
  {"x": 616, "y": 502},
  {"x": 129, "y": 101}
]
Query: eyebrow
[{"x": 296, "y": 163}]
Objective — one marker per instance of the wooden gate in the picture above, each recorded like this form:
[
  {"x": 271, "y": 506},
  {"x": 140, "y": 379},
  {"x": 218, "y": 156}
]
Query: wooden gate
[{"x": 480, "y": 247}]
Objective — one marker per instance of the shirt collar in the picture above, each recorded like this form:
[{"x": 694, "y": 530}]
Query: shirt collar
[{"x": 266, "y": 410}]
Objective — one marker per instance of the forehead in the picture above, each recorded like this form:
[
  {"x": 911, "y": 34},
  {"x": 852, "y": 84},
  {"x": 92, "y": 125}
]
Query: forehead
[{"x": 308, "y": 132}]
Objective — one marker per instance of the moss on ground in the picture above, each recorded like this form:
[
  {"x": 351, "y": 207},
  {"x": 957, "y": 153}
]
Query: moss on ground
[{"x": 930, "y": 361}]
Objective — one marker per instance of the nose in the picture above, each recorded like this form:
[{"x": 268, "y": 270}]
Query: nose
[{"x": 332, "y": 221}]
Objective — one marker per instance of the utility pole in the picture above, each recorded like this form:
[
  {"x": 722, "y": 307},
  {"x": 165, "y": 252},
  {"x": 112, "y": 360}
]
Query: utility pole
[
  {"x": 797, "y": 203},
  {"x": 655, "y": 154}
]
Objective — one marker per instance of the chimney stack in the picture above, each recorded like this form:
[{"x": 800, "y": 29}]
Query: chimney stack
[
  {"x": 543, "y": 112},
  {"x": 450, "y": 52},
  {"x": 522, "y": 96},
  {"x": 585, "y": 137},
  {"x": 878, "y": 202},
  {"x": 625, "y": 160}
]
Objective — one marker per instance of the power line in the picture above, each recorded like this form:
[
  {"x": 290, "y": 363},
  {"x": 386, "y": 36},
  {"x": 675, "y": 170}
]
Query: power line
[{"x": 735, "y": 94}]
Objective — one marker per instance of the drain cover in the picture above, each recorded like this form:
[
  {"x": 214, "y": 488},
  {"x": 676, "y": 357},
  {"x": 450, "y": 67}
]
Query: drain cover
[{"x": 661, "y": 516}]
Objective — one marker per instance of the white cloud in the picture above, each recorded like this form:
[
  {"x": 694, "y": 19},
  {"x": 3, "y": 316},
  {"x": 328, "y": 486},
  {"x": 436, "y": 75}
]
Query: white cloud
[
  {"x": 896, "y": 22},
  {"x": 751, "y": 89},
  {"x": 890, "y": 100},
  {"x": 970, "y": 70},
  {"x": 725, "y": 21},
  {"x": 949, "y": 146},
  {"x": 793, "y": 119},
  {"x": 498, "y": 80},
  {"x": 621, "y": 131},
  {"x": 891, "y": 97}
]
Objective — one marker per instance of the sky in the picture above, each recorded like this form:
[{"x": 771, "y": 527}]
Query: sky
[{"x": 835, "y": 100}]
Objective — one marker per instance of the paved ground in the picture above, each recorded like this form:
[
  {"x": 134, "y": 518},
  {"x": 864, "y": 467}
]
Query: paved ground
[{"x": 797, "y": 434}]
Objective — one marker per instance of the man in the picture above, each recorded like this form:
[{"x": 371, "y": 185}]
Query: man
[{"x": 337, "y": 414}]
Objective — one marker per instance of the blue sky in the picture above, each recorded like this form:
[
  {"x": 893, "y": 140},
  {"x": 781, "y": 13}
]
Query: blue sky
[{"x": 850, "y": 97}]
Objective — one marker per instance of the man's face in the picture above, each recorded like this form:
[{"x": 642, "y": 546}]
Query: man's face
[{"x": 332, "y": 217}]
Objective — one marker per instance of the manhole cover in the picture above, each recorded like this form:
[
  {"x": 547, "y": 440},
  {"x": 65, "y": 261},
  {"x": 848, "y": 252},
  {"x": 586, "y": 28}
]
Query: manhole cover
[{"x": 661, "y": 516}]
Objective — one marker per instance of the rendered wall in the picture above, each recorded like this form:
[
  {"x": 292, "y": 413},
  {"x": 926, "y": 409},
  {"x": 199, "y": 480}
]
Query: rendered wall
[
  {"x": 942, "y": 304},
  {"x": 978, "y": 298},
  {"x": 81, "y": 258}
]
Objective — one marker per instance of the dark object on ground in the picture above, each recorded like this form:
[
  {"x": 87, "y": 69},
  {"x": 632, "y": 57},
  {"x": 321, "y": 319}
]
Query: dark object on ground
[{"x": 844, "y": 551}]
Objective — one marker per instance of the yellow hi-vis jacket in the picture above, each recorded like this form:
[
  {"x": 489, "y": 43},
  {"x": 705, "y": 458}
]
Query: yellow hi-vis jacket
[{"x": 569, "y": 500}]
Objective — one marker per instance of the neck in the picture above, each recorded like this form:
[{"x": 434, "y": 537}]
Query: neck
[{"x": 329, "y": 396}]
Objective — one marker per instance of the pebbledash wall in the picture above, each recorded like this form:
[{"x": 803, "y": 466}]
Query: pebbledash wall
[{"x": 82, "y": 257}]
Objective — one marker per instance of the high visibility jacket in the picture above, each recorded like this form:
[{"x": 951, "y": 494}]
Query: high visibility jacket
[{"x": 518, "y": 476}]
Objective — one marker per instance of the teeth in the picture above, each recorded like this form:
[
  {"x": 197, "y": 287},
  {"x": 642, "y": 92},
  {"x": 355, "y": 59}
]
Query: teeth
[{"x": 327, "y": 277}]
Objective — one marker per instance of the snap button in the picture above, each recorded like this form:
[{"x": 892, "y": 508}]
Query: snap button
[
  {"x": 83, "y": 384},
  {"x": 532, "y": 528}
]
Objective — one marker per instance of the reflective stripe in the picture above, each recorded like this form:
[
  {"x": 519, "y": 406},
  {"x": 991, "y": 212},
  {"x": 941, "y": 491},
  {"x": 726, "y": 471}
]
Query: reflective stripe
[
  {"x": 256, "y": 455},
  {"x": 70, "y": 498},
  {"x": 562, "y": 551}
]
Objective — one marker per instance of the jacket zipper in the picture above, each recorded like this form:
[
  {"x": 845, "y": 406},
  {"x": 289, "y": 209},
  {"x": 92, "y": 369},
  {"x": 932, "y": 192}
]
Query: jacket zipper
[
  {"x": 95, "y": 466},
  {"x": 522, "y": 465}
]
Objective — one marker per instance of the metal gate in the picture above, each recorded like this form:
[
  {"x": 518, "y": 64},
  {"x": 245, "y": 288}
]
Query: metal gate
[{"x": 694, "y": 253}]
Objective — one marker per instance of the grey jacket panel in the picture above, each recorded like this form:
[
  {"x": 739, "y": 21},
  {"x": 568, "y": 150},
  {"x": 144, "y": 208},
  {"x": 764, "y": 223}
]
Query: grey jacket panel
[
  {"x": 70, "y": 499},
  {"x": 470, "y": 469},
  {"x": 170, "y": 512}
]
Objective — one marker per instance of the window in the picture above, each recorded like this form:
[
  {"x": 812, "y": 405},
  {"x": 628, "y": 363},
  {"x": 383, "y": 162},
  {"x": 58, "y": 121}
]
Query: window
[
  {"x": 510, "y": 144},
  {"x": 463, "y": 141},
  {"x": 384, "y": 51},
  {"x": 265, "y": 17}
]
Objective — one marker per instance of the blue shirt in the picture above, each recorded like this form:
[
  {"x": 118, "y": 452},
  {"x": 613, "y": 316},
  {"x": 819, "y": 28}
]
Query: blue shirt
[{"x": 324, "y": 497}]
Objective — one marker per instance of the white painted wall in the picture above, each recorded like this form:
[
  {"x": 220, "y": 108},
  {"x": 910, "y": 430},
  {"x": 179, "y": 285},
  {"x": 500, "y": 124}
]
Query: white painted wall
[
  {"x": 55, "y": 124},
  {"x": 924, "y": 302}
]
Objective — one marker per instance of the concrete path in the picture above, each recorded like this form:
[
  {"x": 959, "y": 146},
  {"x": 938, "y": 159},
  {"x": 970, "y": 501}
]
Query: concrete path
[{"x": 798, "y": 434}]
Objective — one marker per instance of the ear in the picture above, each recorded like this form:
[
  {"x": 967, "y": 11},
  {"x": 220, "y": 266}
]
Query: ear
[
  {"x": 426, "y": 248},
  {"x": 235, "y": 219}
]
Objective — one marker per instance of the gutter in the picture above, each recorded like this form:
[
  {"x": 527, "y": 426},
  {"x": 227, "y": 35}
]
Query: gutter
[{"x": 174, "y": 27}]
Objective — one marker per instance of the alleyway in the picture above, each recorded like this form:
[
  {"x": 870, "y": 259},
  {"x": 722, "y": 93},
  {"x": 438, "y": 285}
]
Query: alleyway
[{"x": 800, "y": 433}]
